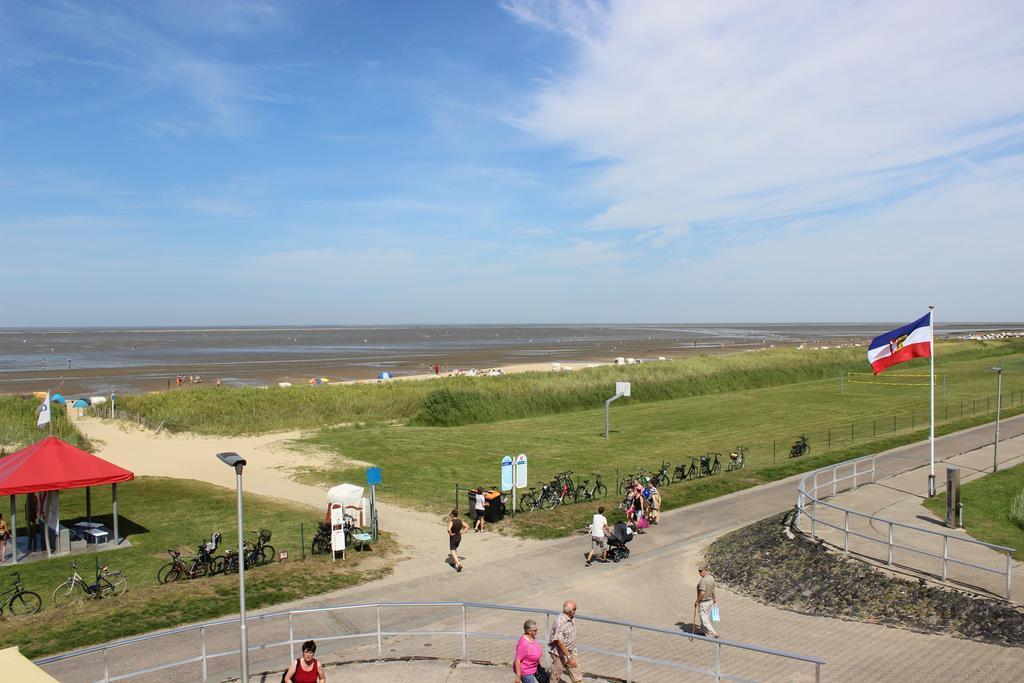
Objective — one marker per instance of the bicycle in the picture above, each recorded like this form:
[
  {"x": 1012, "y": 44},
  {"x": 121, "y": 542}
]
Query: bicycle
[
  {"x": 22, "y": 602},
  {"x": 709, "y": 468},
  {"x": 598, "y": 491},
  {"x": 800, "y": 448},
  {"x": 322, "y": 540},
  {"x": 662, "y": 478},
  {"x": 176, "y": 569},
  {"x": 738, "y": 459},
  {"x": 108, "y": 583},
  {"x": 262, "y": 551},
  {"x": 528, "y": 500}
]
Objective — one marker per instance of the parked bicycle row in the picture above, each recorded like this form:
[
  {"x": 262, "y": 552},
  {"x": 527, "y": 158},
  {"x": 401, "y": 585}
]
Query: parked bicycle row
[
  {"x": 564, "y": 488},
  {"x": 206, "y": 563}
]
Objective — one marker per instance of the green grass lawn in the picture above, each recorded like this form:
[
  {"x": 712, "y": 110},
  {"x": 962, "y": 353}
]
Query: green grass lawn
[
  {"x": 422, "y": 464},
  {"x": 987, "y": 508},
  {"x": 157, "y": 514}
]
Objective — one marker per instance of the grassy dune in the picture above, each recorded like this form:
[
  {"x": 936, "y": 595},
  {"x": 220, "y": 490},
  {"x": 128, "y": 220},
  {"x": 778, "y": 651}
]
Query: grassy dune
[
  {"x": 18, "y": 424},
  {"x": 460, "y": 401}
]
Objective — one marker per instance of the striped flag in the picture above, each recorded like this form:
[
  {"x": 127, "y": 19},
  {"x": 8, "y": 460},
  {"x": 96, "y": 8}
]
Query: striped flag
[{"x": 902, "y": 344}]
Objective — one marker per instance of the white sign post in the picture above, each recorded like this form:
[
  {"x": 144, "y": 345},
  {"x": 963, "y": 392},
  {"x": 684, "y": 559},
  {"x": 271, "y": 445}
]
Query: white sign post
[
  {"x": 337, "y": 532},
  {"x": 621, "y": 389}
]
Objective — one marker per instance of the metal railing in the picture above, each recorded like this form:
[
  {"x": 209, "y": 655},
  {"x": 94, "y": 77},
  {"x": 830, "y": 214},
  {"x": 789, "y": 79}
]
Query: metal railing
[
  {"x": 629, "y": 654},
  {"x": 809, "y": 497}
]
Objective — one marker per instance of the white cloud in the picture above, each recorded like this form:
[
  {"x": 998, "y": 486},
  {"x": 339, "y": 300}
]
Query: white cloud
[{"x": 752, "y": 110}]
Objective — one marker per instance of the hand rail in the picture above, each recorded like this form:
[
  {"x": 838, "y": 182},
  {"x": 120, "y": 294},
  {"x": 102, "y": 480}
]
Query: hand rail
[
  {"x": 807, "y": 501},
  {"x": 631, "y": 628}
]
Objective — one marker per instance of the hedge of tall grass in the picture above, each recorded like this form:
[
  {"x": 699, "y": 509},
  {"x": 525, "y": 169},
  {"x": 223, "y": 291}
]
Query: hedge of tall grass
[
  {"x": 18, "y": 425},
  {"x": 457, "y": 401},
  {"x": 1017, "y": 509}
]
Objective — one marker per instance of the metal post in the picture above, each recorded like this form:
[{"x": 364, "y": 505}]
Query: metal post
[
  {"x": 718, "y": 661},
  {"x": 106, "y": 666},
  {"x": 88, "y": 504},
  {"x": 629, "y": 654},
  {"x": 465, "y": 645},
  {"x": 380, "y": 642},
  {"x": 846, "y": 531},
  {"x": 999, "y": 405},
  {"x": 606, "y": 406},
  {"x": 302, "y": 541},
  {"x": 291, "y": 638},
  {"x": 817, "y": 673},
  {"x": 945, "y": 555},
  {"x": 14, "y": 532},
  {"x": 872, "y": 469},
  {"x": 1009, "y": 569},
  {"x": 890, "y": 543},
  {"x": 117, "y": 535},
  {"x": 242, "y": 635},
  {"x": 773, "y": 449},
  {"x": 202, "y": 640},
  {"x": 835, "y": 472}
]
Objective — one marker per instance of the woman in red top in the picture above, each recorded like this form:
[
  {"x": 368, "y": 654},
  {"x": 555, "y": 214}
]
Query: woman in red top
[{"x": 307, "y": 669}]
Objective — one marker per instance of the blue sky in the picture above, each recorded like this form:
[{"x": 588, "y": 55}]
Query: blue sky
[{"x": 528, "y": 161}]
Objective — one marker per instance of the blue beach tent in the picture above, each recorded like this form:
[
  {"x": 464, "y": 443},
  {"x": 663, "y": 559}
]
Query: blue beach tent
[
  {"x": 80, "y": 403},
  {"x": 57, "y": 398}
]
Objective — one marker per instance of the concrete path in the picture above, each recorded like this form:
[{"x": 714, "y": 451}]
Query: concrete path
[{"x": 654, "y": 586}]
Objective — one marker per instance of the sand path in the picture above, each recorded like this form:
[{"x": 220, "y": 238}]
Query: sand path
[{"x": 271, "y": 460}]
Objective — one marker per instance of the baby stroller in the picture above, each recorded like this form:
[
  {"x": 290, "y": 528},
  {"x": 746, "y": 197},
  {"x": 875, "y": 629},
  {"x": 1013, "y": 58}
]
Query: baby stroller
[{"x": 620, "y": 536}]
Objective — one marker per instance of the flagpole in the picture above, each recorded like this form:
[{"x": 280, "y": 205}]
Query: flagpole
[{"x": 931, "y": 389}]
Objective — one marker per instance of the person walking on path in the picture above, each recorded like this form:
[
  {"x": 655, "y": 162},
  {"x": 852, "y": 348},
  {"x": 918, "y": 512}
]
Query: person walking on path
[
  {"x": 706, "y": 599},
  {"x": 528, "y": 654},
  {"x": 562, "y": 645},
  {"x": 455, "y": 527},
  {"x": 5, "y": 534},
  {"x": 479, "y": 506},
  {"x": 598, "y": 536},
  {"x": 307, "y": 669}
]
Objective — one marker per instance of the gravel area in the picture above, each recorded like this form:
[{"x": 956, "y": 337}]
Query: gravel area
[{"x": 765, "y": 563}]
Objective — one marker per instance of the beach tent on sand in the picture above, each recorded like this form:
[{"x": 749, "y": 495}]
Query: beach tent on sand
[
  {"x": 52, "y": 465},
  {"x": 17, "y": 667}
]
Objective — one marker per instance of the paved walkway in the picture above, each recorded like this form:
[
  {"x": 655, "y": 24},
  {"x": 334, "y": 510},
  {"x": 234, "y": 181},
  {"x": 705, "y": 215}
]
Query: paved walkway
[{"x": 654, "y": 586}]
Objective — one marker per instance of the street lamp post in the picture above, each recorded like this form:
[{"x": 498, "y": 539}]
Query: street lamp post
[
  {"x": 238, "y": 462},
  {"x": 999, "y": 402}
]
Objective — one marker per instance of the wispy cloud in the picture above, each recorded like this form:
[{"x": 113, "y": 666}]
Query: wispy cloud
[{"x": 739, "y": 112}]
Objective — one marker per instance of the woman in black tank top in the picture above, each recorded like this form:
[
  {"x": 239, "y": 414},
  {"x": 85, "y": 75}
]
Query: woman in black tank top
[{"x": 455, "y": 527}]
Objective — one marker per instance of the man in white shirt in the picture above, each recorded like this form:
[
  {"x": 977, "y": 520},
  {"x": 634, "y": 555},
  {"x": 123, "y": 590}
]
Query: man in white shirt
[{"x": 598, "y": 536}]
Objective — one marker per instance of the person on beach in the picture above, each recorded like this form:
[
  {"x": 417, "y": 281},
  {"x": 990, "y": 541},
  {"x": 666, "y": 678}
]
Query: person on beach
[
  {"x": 598, "y": 536},
  {"x": 5, "y": 534},
  {"x": 478, "y": 506},
  {"x": 528, "y": 654},
  {"x": 455, "y": 527},
  {"x": 307, "y": 669},
  {"x": 706, "y": 599},
  {"x": 562, "y": 645}
]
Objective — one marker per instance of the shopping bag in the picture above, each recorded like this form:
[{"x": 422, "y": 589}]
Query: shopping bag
[
  {"x": 642, "y": 523},
  {"x": 714, "y": 614}
]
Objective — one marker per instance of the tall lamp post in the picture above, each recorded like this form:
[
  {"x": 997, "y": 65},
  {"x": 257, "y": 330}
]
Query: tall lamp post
[
  {"x": 999, "y": 401},
  {"x": 238, "y": 462}
]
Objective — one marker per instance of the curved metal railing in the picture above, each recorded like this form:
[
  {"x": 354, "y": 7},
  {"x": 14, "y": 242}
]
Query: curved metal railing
[
  {"x": 847, "y": 476},
  {"x": 629, "y": 654}
]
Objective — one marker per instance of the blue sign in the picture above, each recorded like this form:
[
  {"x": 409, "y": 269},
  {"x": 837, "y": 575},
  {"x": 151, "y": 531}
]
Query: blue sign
[
  {"x": 373, "y": 477},
  {"x": 506, "y": 473}
]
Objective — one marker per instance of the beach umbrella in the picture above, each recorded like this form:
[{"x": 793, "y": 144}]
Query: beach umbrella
[
  {"x": 57, "y": 398},
  {"x": 80, "y": 403}
]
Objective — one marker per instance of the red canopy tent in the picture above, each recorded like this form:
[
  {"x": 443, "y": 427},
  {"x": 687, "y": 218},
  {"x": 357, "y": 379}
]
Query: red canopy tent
[{"x": 54, "y": 465}]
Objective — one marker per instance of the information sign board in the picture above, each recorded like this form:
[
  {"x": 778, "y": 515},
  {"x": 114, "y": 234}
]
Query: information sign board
[
  {"x": 373, "y": 476},
  {"x": 506, "y": 473},
  {"x": 521, "y": 478}
]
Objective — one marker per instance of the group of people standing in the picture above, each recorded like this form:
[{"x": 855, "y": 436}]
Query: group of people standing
[{"x": 643, "y": 505}]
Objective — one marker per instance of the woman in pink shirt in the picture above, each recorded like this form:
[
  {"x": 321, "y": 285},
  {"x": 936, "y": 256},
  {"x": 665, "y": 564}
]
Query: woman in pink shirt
[{"x": 528, "y": 654}]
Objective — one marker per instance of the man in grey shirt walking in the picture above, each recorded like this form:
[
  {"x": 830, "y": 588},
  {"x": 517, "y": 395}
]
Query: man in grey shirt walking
[{"x": 706, "y": 598}]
